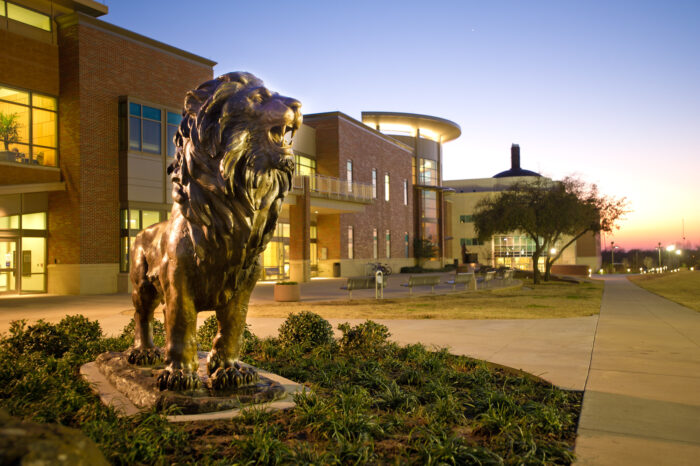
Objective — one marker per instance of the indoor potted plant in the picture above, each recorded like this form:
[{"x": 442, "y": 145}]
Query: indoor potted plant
[
  {"x": 9, "y": 134},
  {"x": 287, "y": 291}
]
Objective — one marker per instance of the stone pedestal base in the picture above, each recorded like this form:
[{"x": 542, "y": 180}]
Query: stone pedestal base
[{"x": 131, "y": 389}]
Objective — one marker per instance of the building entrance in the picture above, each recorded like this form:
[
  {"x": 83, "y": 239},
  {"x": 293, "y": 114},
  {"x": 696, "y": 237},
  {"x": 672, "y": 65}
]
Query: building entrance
[{"x": 9, "y": 278}]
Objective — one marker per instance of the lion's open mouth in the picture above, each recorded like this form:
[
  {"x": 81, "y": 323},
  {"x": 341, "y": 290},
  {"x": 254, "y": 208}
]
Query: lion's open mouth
[{"x": 282, "y": 136}]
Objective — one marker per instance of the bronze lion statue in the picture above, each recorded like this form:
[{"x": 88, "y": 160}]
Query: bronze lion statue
[{"x": 232, "y": 170}]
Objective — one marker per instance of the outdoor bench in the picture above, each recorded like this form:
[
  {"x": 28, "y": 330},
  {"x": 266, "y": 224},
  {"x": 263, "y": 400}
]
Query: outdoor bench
[
  {"x": 487, "y": 278},
  {"x": 507, "y": 276},
  {"x": 468, "y": 279},
  {"x": 422, "y": 280},
  {"x": 361, "y": 283}
]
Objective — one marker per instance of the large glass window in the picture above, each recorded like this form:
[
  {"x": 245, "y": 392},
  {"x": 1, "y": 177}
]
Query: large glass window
[
  {"x": 26, "y": 16},
  {"x": 513, "y": 246},
  {"x": 348, "y": 174},
  {"x": 275, "y": 258},
  {"x": 132, "y": 222},
  {"x": 429, "y": 204},
  {"x": 304, "y": 166},
  {"x": 144, "y": 128},
  {"x": 427, "y": 174},
  {"x": 28, "y": 127}
]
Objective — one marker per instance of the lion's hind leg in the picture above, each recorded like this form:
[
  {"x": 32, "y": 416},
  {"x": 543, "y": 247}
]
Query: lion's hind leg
[
  {"x": 145, "y": 298},
  {"x": 144, "y": 351}
]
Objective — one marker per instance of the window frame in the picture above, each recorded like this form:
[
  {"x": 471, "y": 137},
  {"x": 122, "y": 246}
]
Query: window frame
[{"x": 30, "y": 126}]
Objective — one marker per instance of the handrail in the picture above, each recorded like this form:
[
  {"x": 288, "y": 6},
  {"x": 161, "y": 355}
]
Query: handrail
[{"x": 334, "y": 188}]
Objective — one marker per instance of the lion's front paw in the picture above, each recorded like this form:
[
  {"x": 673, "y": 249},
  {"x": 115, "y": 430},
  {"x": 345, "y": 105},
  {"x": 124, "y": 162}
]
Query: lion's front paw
[
  {"x": 233, "y": 377},
  {"x": 178, "y": 380},
  {"x": 144, "y": 356}
]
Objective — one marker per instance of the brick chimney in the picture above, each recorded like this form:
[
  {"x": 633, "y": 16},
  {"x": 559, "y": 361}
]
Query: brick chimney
[{"x": 515, "y": 157}]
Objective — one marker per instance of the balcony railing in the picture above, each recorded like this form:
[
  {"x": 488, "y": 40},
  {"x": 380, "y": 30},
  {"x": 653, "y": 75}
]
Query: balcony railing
[{"x": 334, "y": 188}]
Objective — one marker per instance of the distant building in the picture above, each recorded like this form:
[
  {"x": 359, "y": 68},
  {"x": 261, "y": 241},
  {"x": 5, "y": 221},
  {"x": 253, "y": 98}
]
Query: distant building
[{"x": 509, "y": 250}]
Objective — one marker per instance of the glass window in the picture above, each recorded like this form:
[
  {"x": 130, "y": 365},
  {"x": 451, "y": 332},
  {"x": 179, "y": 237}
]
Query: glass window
[
  {"x": 134, "y": 219},
  {"x": 173, "y": 123},
  {"x": 33, "y": 117},
  {"x": 351, "y": 252},
  {"x": 374, "y": 183},
  {"x": 386, "y": 186},
  {"x": 27, "y": 16},
  {"x": 405, "y": 192},
  {"x": 9, "y": 223},
  {"x": 388, "y": 243},
  {"x": 2, "y": 8},
  {"x": 33, "y": 264},
  {"x": 428, "y": 172},
  {"x": 149, "y": 217},
  {"x": 144, "y": 128},
  {"x": 429, "y": 205},
  {"x": 304, "y": 166},
  {"x": 14, "y": 95},
  {"x": 465, "y": 219},
  {"x": 405, "y": 243},
  {"x": 430, "y": 231},
  {"x": 313, "y": 232},
  {"x": 35, "y": 221},
  {"x": 375, "y": 244},
  {"x": 349, "y": 175}
]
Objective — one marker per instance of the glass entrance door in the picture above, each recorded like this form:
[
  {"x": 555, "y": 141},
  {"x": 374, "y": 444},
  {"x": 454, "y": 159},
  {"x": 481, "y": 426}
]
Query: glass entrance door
[{"x": 8, "y": 267}]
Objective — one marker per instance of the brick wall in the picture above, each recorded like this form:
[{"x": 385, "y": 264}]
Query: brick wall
[
  {"x": 339, "y": 139},
  {"x": 96, "y": 68},
  {"x": 28, "y": 63}
]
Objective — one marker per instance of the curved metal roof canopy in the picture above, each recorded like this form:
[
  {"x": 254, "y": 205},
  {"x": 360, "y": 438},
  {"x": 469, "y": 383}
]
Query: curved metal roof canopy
[{"x": 446, "y": 130}]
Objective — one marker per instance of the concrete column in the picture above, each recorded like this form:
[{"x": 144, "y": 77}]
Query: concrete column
[{"x": 299, "y": 236}]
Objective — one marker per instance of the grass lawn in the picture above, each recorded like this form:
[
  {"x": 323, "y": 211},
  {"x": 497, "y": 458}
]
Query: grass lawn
[
  {"x": 544, "y": 301},
  {"x": 372, "y": 402},
  {"x": 680, "y": 287}
]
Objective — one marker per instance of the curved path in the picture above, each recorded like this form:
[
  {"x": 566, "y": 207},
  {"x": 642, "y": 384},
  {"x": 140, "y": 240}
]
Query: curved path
[{"x": 642, "y": 400}]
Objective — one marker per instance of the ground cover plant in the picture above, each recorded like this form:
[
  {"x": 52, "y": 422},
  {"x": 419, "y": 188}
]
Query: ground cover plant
[
  {"x": 680, "y": 287},
  {"x": 370, "y": 401},
  {"x": 543, "y": 301}
]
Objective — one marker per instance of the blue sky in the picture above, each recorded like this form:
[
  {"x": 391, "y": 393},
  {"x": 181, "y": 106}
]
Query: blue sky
[{"x": 608, "y": 90}]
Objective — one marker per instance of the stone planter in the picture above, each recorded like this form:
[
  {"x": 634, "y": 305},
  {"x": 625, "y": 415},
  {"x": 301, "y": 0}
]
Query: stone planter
[{"x": 285, "y": 292}]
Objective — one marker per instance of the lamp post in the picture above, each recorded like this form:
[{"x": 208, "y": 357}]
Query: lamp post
[
  {"x": 670, "y": 248},
  {"x": 659, "y": 248},
  {"x": 612, "y": 255}
]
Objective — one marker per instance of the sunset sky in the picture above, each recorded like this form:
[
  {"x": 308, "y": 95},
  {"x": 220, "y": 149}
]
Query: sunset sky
[{"x": 609, "y": 91}]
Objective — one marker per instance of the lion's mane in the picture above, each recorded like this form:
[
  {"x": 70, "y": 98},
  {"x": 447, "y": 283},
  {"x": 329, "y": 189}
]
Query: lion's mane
[{"x": 222, "y": 173}]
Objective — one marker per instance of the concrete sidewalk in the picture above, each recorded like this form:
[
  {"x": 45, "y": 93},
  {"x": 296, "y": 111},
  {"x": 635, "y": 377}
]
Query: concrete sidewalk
[{"x": 642, "y": 400}]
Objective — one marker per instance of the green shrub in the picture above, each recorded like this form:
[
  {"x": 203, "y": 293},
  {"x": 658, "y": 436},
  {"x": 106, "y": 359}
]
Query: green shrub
[
  {"x": 412, "y": 269},
  {"x": 210, "y": 327},
  {"x": 368, "y": 336},
  {"x": 127, "y": 335},
  {"x": 306, "y": 329},
  {"x": 206, "y": 333}
]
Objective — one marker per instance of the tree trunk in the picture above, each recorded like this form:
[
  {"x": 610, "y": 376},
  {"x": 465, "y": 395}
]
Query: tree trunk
[
  {"x": 536, "y": 276},
  {"x": 547, "y": 269}
]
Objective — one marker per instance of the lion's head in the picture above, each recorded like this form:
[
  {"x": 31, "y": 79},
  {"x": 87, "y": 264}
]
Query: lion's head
[{"x": 234, "y": 151}]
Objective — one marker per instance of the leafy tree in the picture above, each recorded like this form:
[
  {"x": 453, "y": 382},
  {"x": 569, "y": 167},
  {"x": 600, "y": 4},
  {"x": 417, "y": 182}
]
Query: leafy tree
[
  {"x": 423, "y": 250},
  {"x": 547, "y": 211},
  {"x": 9, "y": 129}
]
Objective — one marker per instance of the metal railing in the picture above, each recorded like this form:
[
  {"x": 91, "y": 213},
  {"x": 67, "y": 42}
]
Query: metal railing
[{"x": 334, "y": 188}]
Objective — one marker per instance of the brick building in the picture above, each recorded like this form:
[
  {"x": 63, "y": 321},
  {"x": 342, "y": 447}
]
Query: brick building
[
  {"x": 82, "y": 91},
  {"x": 95, "y": 108}
]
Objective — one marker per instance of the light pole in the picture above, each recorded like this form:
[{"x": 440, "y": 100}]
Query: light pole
[
  {"x": 612, "y": 255},
  {"x": 659, "y": 248}
]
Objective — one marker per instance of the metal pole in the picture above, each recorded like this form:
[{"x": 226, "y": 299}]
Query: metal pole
[
  {"x": 612, "y": 255},
  {"x": 659, "y": 248}
]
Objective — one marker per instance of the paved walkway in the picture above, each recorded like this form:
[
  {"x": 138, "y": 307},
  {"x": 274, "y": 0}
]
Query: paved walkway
[{"x": 642, "y": 399}]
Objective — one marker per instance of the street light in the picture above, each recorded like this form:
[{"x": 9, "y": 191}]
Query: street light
[
  {"x": 612, "y": 254},
  {"x": 659, "y": 249}
]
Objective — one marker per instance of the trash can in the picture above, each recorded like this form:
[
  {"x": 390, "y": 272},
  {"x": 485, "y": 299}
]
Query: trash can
[{"x": 336, "y": 269}]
